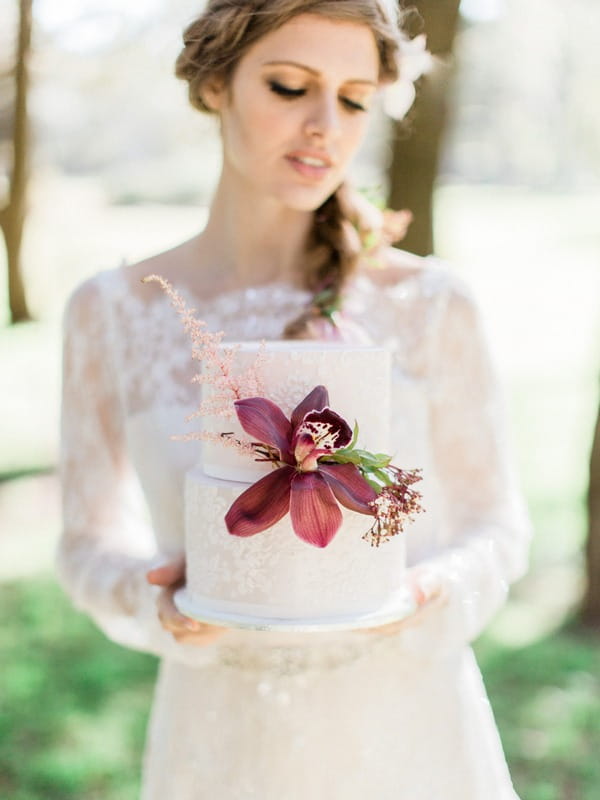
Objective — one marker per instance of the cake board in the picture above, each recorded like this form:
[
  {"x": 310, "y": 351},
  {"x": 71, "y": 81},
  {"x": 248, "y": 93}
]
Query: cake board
[{"x": 400, "y": 607}]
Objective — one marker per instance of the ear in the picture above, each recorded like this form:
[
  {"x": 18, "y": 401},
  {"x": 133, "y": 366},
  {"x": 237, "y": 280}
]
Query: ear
[{"x": 213, "y": 93}]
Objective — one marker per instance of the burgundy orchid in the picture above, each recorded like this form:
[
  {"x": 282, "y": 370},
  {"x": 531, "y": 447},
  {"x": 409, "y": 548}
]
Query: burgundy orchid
[{"x": 309, "y": 489}]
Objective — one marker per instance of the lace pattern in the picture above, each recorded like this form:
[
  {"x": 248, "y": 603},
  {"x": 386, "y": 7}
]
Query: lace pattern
[
  {"x": 132, "y": 356},
  {"x": 126, "y": 387}
]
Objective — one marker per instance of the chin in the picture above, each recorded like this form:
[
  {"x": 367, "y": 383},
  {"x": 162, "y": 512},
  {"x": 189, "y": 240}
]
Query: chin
[{"x": 307, "y": 199}]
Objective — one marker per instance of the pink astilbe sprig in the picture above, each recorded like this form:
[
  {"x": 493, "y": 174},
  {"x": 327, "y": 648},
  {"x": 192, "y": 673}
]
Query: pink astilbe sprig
[{"x": 217, "y": 362}]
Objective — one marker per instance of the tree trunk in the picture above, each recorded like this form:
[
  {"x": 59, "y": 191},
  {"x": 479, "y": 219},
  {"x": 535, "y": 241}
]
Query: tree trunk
[
  {"x": 416, "y": 151},
  {"x": 12, "y": 217},
  {"x": 590, "y": 610}
]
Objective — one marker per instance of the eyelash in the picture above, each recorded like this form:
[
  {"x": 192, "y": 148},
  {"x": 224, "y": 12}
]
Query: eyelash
[{"x": 290, "y": 94}]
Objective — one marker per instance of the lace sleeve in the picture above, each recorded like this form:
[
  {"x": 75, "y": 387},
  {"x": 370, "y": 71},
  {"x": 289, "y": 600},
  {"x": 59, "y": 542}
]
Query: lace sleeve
[
  {"x": 487, "y": 526},
  {"x": 107, "y": 546}
]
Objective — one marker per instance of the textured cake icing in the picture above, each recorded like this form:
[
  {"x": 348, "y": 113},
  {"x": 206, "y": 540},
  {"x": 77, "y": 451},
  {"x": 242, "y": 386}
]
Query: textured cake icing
[
  {"x": 274, "y": 574},
  {"x": 357, "y": 379}
]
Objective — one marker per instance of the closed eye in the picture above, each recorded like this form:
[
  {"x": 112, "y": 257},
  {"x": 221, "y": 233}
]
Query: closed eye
[
  {"x": 352, "y": 105},
  {"x": 285, "y": 91}
]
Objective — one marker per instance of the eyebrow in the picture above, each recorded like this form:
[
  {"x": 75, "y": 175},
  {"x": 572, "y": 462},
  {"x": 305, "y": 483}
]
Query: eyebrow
[{"x": 314, "y": 71}]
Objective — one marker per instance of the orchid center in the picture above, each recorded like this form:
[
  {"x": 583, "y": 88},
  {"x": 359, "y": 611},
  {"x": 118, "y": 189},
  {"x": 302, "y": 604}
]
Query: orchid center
[{"x": 319, "y": 433}]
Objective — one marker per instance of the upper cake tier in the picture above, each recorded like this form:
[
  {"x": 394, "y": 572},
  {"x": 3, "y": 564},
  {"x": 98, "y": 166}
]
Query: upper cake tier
[{"x": 358, "y": 379}]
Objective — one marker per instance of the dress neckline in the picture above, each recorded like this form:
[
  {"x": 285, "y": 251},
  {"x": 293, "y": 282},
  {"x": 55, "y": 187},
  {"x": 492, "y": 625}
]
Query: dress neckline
[
  {"x": 278, "y": 297},
  {"x": 246, "y": 296}
]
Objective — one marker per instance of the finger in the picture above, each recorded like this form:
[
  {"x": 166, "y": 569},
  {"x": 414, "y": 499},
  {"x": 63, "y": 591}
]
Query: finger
[
  {"x": 177, "y": 623},
  {"x": 207, "y": 635},
  {"x": 170, "y": 616},
  {"x": 418, "y": 594},
  {"x": 183, "y": 628},
  {"x": 426, "y": 585},
  {"x": 166, "y": 574},
  {"x": 187, "y": 630}
]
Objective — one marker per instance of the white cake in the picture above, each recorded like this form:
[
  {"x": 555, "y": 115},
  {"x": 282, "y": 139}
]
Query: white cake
[
  {"x": 357, "y": 379},
  {"x": 274, "y": 576}
]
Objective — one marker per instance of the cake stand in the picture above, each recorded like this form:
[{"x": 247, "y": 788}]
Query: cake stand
[{"x": 399, "y": 606}]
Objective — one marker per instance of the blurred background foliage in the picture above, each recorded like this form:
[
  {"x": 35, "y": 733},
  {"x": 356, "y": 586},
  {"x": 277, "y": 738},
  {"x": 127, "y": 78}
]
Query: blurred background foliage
[{"x": 121, "y": 167}]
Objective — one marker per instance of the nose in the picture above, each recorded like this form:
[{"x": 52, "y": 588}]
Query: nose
[{"x": 323, "y": 120}]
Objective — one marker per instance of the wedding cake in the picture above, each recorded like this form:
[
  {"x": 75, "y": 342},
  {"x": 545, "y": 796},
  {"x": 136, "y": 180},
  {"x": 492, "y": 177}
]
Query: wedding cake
[{"x": 274, "y": 577}]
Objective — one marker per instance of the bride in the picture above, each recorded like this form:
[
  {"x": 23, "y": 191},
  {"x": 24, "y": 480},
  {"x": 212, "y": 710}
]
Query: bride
[{"x": 395, "y": 713}]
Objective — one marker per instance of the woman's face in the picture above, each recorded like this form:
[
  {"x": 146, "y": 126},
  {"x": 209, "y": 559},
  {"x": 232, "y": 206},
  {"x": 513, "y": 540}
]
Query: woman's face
[{"x": 296, "y": 109}]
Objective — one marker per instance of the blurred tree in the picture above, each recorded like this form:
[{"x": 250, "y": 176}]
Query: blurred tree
[
  {"x": 590, "y": 611},
  {"x": 416, "y": 143},
  {"x": 12, "y": 214}
]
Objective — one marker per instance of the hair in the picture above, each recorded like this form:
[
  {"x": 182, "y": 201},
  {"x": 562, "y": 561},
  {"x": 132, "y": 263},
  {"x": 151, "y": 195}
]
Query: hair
[{"x": 216, "y": 41}]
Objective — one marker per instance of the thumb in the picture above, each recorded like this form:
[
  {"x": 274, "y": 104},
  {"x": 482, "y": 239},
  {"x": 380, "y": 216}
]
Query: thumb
[
  {"x": 426, "y": 584},
  {"x": 168, "y": 573}
]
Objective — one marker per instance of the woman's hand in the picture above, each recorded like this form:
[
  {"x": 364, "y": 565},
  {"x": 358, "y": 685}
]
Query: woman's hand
[
  {"x": 428, "y": 593},
  {"x": 171, "y": 576}
]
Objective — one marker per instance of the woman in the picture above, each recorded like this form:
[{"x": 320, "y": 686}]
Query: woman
[{"x": 399, "y": 712}]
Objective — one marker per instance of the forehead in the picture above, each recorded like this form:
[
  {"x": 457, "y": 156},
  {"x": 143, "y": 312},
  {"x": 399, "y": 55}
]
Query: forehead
[{"x": 346, "y": 50}]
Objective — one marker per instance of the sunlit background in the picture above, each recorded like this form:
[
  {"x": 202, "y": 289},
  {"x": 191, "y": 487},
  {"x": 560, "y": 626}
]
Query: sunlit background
[{"x": 123, "y": 168}]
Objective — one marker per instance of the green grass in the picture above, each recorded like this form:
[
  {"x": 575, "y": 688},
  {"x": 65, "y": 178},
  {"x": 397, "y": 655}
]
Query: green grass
[
  {"x": 546, "y": 698},
  {"x": 74, "y": 706}
]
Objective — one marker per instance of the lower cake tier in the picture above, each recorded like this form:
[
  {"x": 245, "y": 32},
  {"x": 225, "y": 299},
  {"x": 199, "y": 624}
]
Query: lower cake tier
[{"x": 274, "y": 574}]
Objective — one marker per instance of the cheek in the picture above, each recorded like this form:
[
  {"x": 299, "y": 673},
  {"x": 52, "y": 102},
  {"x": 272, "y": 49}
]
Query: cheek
[{"x": 256, "y": 131}]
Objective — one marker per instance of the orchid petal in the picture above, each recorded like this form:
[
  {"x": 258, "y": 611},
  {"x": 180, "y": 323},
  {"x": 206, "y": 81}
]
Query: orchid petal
[
  {"x": 349, "y": 487},
  {"x": 266, "y": 422},
  {"x": 316, "y": 400},
  {"x": 327, "y": 429},
  {"x": 316, "y": 516},
  {"x": 262, "y": 505}
]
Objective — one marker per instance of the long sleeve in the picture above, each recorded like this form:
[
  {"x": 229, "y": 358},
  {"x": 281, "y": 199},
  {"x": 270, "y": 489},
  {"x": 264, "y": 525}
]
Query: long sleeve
[
  {"x": 107, "y": 545},
  {"x": 488, "y": 530}
]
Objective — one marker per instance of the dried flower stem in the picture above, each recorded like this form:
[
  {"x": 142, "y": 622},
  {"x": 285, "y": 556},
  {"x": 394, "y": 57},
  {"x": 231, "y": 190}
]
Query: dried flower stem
[{"x": 395, "y": 505}]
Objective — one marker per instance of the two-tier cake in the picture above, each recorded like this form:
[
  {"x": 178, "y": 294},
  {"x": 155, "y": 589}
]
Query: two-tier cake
[{"x": 275, "y": 579}]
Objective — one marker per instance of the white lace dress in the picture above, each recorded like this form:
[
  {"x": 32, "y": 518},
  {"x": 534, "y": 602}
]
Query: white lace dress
[{"x": 259, "y": 716}]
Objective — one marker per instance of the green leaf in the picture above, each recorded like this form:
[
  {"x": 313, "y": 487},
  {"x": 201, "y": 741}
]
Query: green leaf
[
  {"x": 344, "y": 457},
  {"x": 363, "y": 453},
  {"x": 384, "y": 459},
  {"x": 373, "y": 484},
  {"x": 383, "y": 477},
  {"x": 364, "y": 459},
  {"x": 352, "y": 444},
  {"x": 373, "y": 459}
]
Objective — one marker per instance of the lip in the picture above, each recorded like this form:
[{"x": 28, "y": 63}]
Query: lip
[{"x": 313, "y": 171}]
